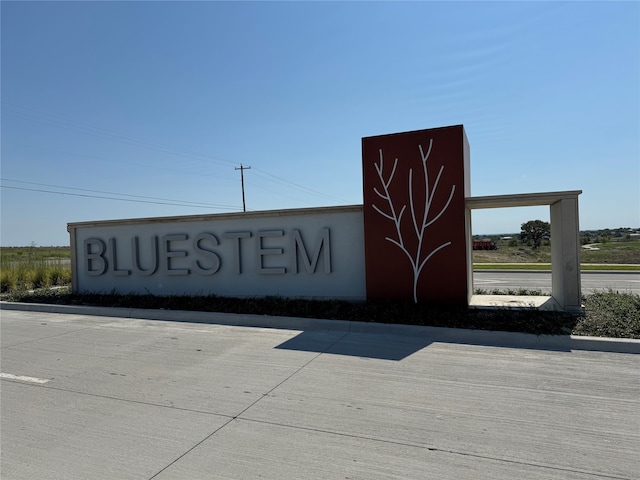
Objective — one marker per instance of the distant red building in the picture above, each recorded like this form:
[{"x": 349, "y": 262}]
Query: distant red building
[{"x": 484, "y": 245}]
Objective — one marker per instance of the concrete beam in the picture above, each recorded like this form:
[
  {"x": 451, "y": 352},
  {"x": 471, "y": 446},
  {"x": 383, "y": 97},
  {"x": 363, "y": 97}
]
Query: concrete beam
[{"x": 520, "y": 199}]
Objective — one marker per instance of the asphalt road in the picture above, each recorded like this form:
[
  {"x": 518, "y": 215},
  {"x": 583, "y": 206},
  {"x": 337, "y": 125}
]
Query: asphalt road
[
  {"x": 103, "y": 398},
  {"x": 620, "y": 281}
]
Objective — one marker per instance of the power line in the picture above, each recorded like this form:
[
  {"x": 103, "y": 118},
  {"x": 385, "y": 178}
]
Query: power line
[
  {"x": 284, "y": 181},
  {"x": 62, "y": 122},
  {"x": 113, "y": 198},
  {"x": 127, "y": 162},
  {"x": 202, "y": 204},
  {"x": 281, "y": 193}
]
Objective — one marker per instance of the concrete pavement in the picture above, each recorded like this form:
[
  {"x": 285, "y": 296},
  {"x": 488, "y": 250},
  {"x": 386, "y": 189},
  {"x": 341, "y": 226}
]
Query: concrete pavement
[{"x": 98, "y": 396}]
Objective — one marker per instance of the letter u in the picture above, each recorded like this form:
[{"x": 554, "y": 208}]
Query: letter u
[{"x": 154, "y": 256}]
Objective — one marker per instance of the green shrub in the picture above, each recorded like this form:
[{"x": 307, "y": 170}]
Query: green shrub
[{"x": 610, "y": 314}]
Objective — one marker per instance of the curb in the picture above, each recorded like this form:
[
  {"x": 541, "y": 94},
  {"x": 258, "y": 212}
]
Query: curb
[{"x": 564, "y": 343}]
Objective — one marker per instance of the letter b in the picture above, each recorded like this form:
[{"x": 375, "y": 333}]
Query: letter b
[{"x": 96, "y": 263}]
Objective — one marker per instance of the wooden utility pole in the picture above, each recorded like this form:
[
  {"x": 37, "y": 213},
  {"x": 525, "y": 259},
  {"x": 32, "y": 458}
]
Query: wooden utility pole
[{"x": 242, "y": 169}]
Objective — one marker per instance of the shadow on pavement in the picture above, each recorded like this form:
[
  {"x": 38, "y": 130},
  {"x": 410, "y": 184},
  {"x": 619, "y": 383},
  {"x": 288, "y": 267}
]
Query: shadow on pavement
[
  {"x": 358, "y": 345},
  {"x": 397, "y": 347}
]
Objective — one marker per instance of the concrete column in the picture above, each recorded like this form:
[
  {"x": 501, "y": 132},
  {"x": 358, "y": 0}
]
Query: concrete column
[
  {"x": 565, "y": 254},
  {"x": 469, "y": 247}
]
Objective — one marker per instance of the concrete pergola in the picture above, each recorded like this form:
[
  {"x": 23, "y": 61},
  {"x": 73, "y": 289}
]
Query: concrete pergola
[{"x": 565, "y": 239}]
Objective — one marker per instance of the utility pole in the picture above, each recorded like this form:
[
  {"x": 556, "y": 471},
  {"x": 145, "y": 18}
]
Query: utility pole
[{"x": 242, "y": 169}]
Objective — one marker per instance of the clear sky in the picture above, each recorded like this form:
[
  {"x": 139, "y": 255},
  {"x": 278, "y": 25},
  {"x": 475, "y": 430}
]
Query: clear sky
[{"x": 143, "y": 109}]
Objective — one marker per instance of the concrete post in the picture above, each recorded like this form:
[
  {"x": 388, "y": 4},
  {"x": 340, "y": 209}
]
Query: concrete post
[
  {"x": 469, "y": 247},
  {"x": 565, "y": 254}
]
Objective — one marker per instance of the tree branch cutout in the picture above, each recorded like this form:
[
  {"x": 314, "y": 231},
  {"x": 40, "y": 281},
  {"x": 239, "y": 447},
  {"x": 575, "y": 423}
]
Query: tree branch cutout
[{"x": 417, "y": 258}]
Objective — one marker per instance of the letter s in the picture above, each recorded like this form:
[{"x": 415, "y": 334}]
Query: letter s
[{"x": 213, "y": 257}]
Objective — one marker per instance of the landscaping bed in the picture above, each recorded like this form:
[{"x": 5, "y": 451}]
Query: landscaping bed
[{"x": 606, "y": 313}]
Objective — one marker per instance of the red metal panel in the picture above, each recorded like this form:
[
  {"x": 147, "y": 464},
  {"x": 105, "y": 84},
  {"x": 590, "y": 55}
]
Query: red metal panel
[{"x": 414, "y": 215}]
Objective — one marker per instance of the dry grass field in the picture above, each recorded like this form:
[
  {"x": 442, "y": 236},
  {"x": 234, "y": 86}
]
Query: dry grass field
[{"x": 622, "y": 253}]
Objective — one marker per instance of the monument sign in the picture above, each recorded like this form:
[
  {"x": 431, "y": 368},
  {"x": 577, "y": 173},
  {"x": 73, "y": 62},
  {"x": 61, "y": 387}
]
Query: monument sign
[{"x": 410, "y": 240}]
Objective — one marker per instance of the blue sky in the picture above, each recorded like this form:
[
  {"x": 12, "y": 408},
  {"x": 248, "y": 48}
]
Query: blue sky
[{"x": 154, "y": 104}]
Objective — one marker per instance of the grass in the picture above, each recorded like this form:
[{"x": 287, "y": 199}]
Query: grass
[
  {"x": 505, "y": 254},
  {"x": 627, "y": 253},
  {"x": 24, "y": 268},
  {"x": 15, "y": 254},
  {"x": 610, "y": 313},
  {"x": 613, "y": 252},
  {"x": 512, "y": 266},
  {"x": 547, "y": 267},
  {"x": 29, "y": 274}
]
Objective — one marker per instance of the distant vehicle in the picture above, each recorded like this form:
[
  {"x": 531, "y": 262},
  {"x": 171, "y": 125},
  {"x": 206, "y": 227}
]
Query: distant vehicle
[{"x": 484, "y": 245}]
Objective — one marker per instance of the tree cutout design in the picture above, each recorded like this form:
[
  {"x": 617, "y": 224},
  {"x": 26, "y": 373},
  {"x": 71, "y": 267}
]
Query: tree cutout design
[{"x": 417, "y": 258}]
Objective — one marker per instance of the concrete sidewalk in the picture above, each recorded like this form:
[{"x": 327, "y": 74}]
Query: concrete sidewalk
[
  {"x": 102, "y": 396},
  {"x": 435, "y": 334}
]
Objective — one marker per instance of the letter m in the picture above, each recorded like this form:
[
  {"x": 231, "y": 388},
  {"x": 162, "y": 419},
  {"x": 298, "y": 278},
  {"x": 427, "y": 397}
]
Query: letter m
[{"x": 323, "y": 245}]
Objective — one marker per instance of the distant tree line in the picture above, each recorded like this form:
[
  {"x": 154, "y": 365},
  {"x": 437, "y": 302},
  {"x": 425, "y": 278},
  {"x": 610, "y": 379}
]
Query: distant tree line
[
  {"x": 535, "y": 233},
  {"x": 609, "y": 235}
]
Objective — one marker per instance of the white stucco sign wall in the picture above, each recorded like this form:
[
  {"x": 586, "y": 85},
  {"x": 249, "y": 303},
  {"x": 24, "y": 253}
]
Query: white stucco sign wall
[{"x": 314, "y": 253}]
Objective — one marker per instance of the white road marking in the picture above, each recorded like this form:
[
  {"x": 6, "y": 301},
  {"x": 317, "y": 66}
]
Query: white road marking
[{"x": 22, "y": 378}]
